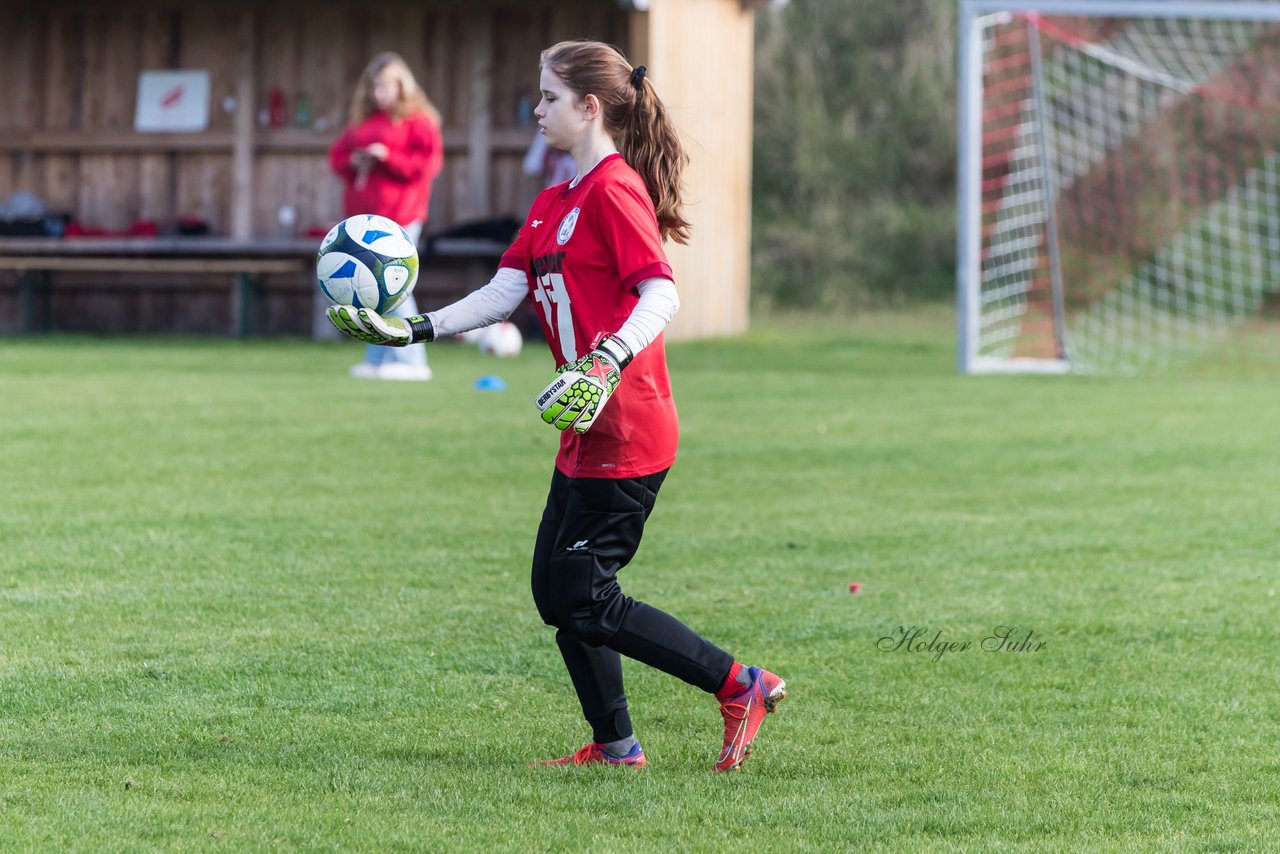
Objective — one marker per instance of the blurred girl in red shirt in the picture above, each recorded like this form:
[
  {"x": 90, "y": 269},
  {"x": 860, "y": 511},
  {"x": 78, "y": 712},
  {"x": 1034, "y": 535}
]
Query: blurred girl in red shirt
[{"x": 387, "y": 158}]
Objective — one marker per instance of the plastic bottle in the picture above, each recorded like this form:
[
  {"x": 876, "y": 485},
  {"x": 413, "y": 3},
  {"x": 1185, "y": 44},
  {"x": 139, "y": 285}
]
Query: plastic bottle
[
  {"x": 277, "y": 108},
  {"x": 287, "y": 216},
  {"x": 302, "y": 111}
]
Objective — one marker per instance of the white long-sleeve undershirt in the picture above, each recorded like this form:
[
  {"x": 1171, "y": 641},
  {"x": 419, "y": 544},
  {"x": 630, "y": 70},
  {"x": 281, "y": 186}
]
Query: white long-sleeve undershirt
[
  {"x": 484, "y": 306},
  {"x": 658, "y": 304},
  {"x": 495, "y": 302}
]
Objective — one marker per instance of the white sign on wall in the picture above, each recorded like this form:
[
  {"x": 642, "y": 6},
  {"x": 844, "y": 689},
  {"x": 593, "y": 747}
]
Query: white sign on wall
[{"x": 172, "y": 101}]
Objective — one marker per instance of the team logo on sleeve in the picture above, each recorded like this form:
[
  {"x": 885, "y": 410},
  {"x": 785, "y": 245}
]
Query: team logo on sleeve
[{"x": 566, "y": 226}]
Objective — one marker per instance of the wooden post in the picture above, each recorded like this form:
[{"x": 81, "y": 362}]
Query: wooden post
[
  {"x": 638, "y": 38},
  {"x": 714, "y": 271},
  {"x": 476, "y": 201},
  {"x": 242, "y": 133}
]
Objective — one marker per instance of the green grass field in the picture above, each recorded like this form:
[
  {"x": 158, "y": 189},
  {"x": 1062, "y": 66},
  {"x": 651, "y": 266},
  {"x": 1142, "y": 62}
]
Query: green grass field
[{"x": 247, "y": 603}]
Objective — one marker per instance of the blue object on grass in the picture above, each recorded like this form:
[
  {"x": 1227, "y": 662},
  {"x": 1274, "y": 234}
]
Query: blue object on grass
[{"x": 490, "y": 383}]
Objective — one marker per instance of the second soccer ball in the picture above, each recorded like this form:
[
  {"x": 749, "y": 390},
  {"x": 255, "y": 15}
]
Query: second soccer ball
[{"x": 501, "y": 339}]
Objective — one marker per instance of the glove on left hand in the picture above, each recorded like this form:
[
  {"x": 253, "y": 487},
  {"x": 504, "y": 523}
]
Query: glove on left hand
[{"x": 576, "y": 397}]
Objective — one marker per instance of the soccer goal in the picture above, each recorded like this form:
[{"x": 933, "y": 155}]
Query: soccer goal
[{"x": 1119, "y": 183}]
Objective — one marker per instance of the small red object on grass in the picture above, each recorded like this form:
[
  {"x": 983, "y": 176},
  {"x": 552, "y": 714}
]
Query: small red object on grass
[{"x": 855, "y": 586}]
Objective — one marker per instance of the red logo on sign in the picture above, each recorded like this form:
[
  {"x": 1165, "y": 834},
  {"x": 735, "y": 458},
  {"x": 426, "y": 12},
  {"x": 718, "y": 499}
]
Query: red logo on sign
[{"x": 172, "y": 97}]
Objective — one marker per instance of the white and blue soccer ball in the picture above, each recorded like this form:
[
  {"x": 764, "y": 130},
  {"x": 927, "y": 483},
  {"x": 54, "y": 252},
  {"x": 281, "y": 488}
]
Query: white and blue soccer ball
[{"x": 367, "y": 261}]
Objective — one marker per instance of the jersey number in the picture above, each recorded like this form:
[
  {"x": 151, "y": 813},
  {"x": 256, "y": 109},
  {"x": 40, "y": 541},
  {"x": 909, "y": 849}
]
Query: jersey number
[{"x": 552, "y": 295}]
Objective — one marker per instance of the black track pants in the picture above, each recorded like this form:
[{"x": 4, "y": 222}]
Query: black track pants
[{"x": 590, "y": 529}]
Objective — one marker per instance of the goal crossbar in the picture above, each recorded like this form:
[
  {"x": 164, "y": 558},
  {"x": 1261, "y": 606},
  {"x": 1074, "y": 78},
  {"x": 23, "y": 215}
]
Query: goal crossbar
[{"x": 1223, "y": 10}]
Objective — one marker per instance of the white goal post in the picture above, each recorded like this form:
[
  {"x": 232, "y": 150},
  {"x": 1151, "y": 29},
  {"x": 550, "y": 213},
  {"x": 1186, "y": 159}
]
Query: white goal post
[{"x": 1118, "y": 188}]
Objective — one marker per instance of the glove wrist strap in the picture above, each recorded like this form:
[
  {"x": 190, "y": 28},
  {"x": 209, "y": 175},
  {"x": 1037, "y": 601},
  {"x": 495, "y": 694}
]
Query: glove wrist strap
[
  {"x": 613, "y": 347},
  {"x": 420, "y": 329}
]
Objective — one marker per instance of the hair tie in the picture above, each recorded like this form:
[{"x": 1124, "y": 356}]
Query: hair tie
[{"x": 637, "y": 76}]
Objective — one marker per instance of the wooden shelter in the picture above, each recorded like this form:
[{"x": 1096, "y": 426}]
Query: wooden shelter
[{"x": 67, "y": 136}]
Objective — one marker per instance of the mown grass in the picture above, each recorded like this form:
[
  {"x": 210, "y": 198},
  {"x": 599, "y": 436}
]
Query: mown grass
[{"x": 248, "y": 603}]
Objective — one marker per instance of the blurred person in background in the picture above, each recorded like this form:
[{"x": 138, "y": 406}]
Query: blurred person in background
[
  {"x": 552, "y": 165},
  {"x": 387, "y": 157}
]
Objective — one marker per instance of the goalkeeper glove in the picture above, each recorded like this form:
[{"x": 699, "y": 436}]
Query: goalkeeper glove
[
  {"x": 576, "y": 397},
  {"x": 373, "y": 328}
]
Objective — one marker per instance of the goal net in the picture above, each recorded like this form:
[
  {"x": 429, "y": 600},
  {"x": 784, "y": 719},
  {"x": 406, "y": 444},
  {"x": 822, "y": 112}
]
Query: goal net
[{"x": 1119, "y": 184}]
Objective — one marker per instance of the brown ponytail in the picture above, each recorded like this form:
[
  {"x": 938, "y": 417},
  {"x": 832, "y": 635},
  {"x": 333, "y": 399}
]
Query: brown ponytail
[{"x": 635, "y": 117}]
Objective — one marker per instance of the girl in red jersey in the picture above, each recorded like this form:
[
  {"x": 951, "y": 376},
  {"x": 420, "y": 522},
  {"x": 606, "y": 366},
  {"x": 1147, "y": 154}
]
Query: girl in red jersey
[
  {"x": 387, "y": 158},
  {"x": 590, "y": 256}
]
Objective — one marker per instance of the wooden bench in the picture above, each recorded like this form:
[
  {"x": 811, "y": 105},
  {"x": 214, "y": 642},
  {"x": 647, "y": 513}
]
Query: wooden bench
[{"x": 36, "y": 259}]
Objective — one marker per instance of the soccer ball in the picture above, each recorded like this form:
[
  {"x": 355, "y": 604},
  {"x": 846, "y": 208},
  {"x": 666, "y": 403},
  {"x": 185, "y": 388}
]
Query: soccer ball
[
  {"x": 501, "y": 339},
  {"x": 367, "y": 261}
]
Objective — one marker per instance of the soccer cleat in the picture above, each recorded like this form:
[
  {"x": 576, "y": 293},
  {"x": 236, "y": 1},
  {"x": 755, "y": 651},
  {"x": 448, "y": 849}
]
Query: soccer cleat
[
  {"x": 593, "y": 754},
  {"x": 743, "y": 715}
]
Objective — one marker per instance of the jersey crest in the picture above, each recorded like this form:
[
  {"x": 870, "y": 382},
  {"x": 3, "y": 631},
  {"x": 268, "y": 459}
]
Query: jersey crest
[{"x": 566, "y": 226}]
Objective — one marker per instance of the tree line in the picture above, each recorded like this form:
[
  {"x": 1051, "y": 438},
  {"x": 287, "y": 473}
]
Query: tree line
[{"x": 854, "y": 160}]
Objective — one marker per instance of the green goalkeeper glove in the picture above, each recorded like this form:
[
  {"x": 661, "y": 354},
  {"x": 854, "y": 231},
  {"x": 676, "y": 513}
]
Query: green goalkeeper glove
[
  {"x": 576, "y": 397},
  {"x": 372, "y": 328}
]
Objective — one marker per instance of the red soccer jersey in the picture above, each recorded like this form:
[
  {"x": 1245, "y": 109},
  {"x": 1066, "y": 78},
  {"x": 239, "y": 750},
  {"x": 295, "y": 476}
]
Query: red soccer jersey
[{"x": 585, "y": 249}]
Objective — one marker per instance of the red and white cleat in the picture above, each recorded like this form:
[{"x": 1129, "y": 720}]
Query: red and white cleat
[
  {"x": 743, "y": 715},
  {"x": 593, "y": 754}
]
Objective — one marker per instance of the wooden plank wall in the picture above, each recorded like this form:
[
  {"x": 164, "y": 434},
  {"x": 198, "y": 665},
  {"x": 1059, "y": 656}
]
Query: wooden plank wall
[
  {"x": 71, "y": 72},
  {"x": 67, "y": 107}
]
